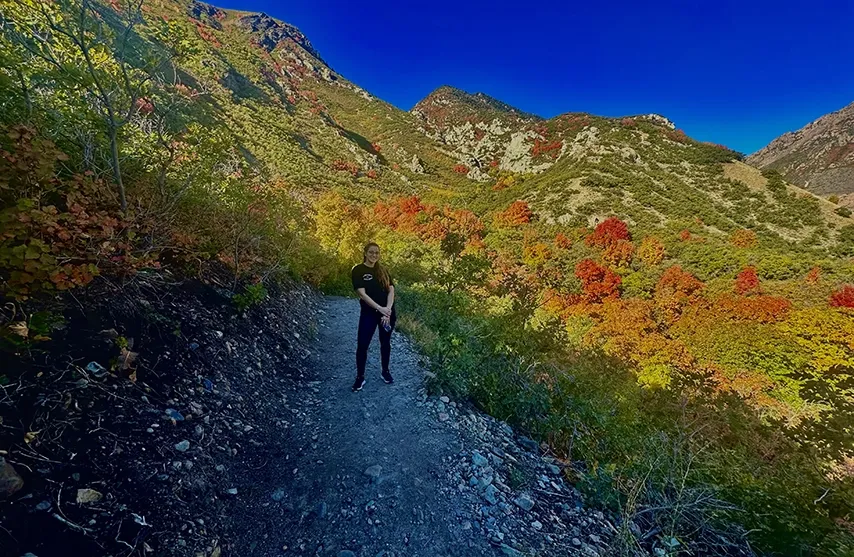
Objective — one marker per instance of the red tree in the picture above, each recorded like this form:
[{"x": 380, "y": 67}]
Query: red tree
[
  {"x": 814, "y": 276},
  {"x": 843, "y": 297},
  {"x": 747, "y": 281},
  {"x": 562, "y": 241},
  {"x": 516, "y": 214},
  {"x": 608, "y": 232},
  {"x": 597, "y": 282},
  {"x": 676, "y": 281}
]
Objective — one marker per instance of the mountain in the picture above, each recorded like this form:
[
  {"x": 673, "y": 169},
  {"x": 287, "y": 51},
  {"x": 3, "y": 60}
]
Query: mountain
[
  {"x": 818, "y": 157},
  {"x": 578, "y": 168},
  {"x": 264, "y": 85}
]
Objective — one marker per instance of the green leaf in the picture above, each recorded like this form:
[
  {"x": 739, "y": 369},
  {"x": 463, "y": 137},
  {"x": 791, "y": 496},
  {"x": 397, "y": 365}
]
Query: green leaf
[{"x": 33, "y": 252}]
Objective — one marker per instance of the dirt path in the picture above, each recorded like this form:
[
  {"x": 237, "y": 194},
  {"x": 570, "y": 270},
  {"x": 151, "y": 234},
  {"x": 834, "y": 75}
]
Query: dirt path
[
  {"x": 388, "y": 472},
  {"x": 367, "y": 471}
]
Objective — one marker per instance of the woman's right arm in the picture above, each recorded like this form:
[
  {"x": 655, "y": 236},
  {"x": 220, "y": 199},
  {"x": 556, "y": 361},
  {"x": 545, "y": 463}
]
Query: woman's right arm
[{"x": 368, "y": 300}]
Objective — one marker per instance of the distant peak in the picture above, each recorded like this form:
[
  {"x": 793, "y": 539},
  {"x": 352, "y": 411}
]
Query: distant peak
[
  {"x": 479, "y": 102},
  {"x": 273, "y": 31}
]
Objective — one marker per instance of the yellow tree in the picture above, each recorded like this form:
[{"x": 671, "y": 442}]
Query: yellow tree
[{"x": 341, "y": 229}]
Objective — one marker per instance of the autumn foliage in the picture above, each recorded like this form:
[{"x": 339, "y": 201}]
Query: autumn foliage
[
  {"x": 743, "y": 238},
  {"x": 619, "y": 253},
  {"x": 813, "y": 276},
  {"x": 562, "y": 241},
  {"x": 543, "y": 147},
  {"x": 675, "y": 281},
  {"x": 597, "y": 282},
  {"x": 843, "y": 297},
  {"x": 345, "y": 166},
  {"x": 517, "y": 214},
  {"x": 747, "y": 281},
  {"x": 608, "y": 232},
  {"x": 61, "y": 232},
  {"x": 651, "y": 251}
]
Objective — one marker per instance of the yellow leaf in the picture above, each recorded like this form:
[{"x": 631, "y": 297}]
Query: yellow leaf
[
  {"x": 31, "y": 436},
  {"x": 20, "y": 328}
]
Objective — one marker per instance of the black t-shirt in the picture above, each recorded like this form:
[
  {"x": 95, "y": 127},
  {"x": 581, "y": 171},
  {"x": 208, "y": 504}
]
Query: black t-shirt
[{"x": 365, "y": 277}]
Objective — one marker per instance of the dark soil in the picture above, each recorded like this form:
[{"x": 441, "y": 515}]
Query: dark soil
[{"x": 219, "y": 370}]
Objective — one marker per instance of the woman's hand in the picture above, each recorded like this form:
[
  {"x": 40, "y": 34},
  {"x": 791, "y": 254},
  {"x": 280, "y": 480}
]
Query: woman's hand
[{"x": 386, "y": 312}]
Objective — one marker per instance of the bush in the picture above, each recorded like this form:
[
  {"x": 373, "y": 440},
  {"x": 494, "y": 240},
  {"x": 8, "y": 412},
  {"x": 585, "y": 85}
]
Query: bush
[
  {"x": 60, "y": 232},
  {"x": 251, "y": 296}
]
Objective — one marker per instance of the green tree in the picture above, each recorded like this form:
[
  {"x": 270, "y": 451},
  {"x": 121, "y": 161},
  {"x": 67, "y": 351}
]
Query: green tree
[{"x": 92, "y": 49}]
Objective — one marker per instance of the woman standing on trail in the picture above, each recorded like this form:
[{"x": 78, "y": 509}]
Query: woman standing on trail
[{"x": 376, "y": 297}]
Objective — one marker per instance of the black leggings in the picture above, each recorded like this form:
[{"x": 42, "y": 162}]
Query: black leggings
[{"x": 369, "y": 319}]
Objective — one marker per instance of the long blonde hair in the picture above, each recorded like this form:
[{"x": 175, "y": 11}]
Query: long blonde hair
[{"x": 379, "y": 270}]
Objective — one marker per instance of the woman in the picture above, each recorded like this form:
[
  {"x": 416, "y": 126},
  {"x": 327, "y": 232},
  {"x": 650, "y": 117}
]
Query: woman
[{"x": 376, "y": 297}]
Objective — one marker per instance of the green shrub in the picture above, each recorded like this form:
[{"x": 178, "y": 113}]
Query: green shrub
[{"x": 251, "y": 296}]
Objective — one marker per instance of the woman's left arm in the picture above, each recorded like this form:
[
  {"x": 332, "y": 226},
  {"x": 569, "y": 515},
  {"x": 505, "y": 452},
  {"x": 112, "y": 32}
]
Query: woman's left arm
[{"x": 390, "y": 296}]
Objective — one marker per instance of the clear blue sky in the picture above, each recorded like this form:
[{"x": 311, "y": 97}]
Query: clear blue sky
[{"x": 733, "y": 72}]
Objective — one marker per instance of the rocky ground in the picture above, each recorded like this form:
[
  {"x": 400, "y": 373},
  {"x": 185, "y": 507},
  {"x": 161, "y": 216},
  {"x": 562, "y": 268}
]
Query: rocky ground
[{"x": 160, "y": 421}]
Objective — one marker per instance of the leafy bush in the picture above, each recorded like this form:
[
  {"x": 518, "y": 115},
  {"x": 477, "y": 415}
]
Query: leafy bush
[{"x": 252, "y": 295}]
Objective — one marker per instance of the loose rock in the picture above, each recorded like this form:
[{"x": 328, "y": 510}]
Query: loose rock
[
  {"x": 524, "y": 502},
  {"x": 10, "y": 481}
]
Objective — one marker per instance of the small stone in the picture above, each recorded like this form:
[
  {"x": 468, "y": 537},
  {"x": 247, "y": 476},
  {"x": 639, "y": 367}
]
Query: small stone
[
  {"x": 321, "y": 510},
  {"x": 443, "y": 417},
  {"x": 445, "y": 399},
  {"x": 529, "y": 444},
  {"x": 524, "y": 502},
  {"x": 478, "y": 459},
  {"x": 507, "y": 550},
  {"x": 473, "y": 481},
  {"x": 43, "y": 506},
  {"x": 182, "y": 446},
  {"x": 554, "y": 469},
  {"x": 173, "y": 414},
  {"x": 374, "y": 472},
  {"x": 537, "y": 525},
  {"x": 576, "y": 542},
  {"x": 231, "y": 491},
  {"x": 88, "y": 496},
  {"x": 489, "y": 494},
  {"x": 218, "y": 334},
  {"x": 150, "y": 430},
  {"x": 10, "y": 481},
  {"x": 220, "y": 468},
  {"x": 346, "y": 553}
]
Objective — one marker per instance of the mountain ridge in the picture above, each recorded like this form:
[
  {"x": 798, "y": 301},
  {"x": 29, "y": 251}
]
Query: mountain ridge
[{"x": 819, "y": 156}]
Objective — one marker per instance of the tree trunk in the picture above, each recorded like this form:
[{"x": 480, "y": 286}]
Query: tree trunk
[
  {"x": 26, "y": 90},
  {"x": 117, "y": 171}
]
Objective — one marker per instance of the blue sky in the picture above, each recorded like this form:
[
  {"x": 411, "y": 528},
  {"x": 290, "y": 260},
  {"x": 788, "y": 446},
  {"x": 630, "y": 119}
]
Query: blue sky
[{"x": 733, "y": 72}]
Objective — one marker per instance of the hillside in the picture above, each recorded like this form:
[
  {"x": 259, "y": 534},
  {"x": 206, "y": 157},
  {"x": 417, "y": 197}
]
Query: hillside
[
  {"x": 818, "y": 157},
  {"x": 673, "y": 323}
]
